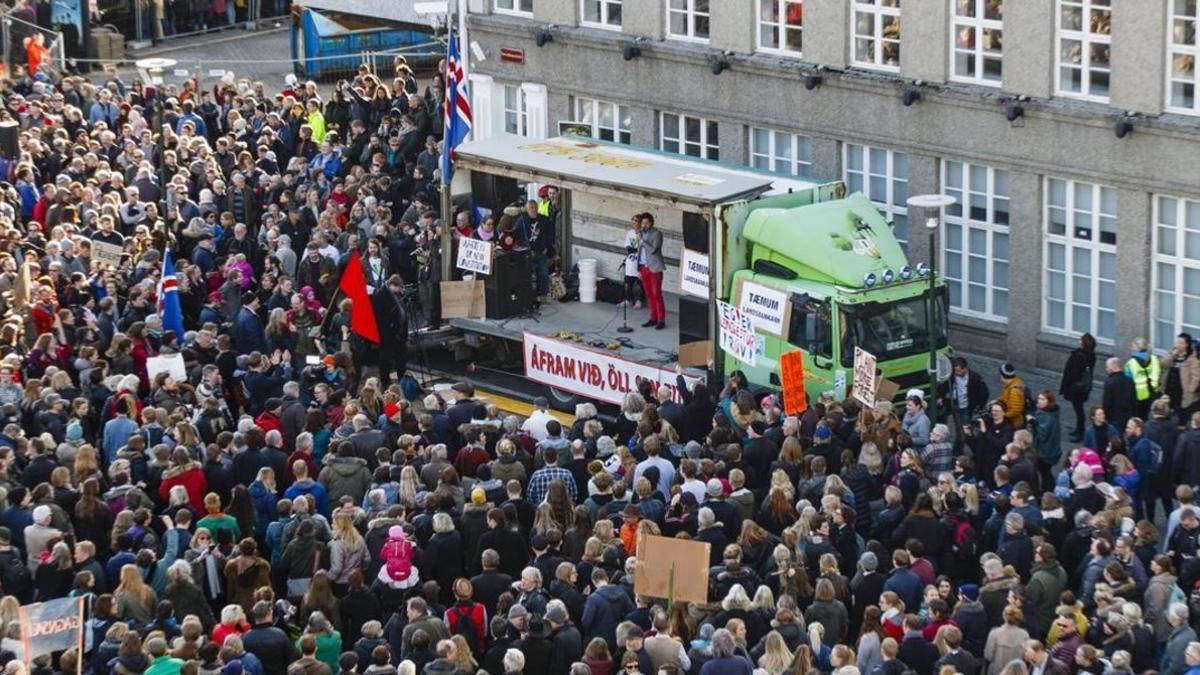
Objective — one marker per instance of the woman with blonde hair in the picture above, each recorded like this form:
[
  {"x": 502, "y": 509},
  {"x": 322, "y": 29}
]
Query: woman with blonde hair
[
  {"x": 776, "y": 657},
  {"x": 347, "y": 551},
  {"x": 463, "y": 658},
  {"x": 135, "y": 599},
  {"x": 410, "y": 486}
]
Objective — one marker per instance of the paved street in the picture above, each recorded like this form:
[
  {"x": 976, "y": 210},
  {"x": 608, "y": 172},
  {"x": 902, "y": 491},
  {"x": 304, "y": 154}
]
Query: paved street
[{"x": 264, "y": 55}]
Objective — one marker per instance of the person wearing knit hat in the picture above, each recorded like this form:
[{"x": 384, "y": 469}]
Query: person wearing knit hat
[
  {"x": 969, "y": 592},
  {"x": 868, "y": 562}
]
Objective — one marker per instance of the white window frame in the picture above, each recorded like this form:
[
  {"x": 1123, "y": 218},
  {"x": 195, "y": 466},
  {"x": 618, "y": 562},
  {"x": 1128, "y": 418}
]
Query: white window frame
[
  {"x": 798, "y": 164},
  {"x": 781, "y": 27},
  {"x": 709, "y": 147},
  {"x": 691, "y": 13},
  {"x": 1087, "y": 41},
  {"x": 978, "y": 25},
  {"x": 1094, "y": 249},
  {"x": 521, "y": 110},
  {"x": 1180, "y": 263},
  {"x": 513, "y": 7},
  {"x": 1181, "y": 52},
  {"x": 878, "y": 11},
  {"x": 960, "y": 215},
  {"x": 605, "y": 12},
  {"x": 620, "y": 133},
  {"x": 888, "y": 204}
]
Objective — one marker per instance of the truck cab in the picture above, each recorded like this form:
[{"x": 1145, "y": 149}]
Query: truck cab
[{"x": 847, "y": 283}]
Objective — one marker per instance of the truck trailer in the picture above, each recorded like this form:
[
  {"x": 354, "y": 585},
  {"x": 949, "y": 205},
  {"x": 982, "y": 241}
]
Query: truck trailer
[{"x": 810, "y": 267}]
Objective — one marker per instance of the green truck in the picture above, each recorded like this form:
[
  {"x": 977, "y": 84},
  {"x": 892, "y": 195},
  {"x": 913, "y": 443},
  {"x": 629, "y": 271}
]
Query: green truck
[{"x": 810, "y": 267}]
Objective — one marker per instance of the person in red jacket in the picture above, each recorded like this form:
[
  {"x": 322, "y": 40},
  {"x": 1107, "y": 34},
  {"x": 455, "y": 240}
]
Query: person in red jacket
[
  {"x": 268, "y": 419},
  {"x": 465, "y": 609},
  {"x": 186, "y": 472}
]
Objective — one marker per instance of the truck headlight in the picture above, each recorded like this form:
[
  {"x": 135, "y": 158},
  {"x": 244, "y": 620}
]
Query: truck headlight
[
  {"x": 870, "y": 280},
  {"x": 922, "y": 270},
  {"x": 906, "y": 273},
  {"x": 888, "y": 276}
]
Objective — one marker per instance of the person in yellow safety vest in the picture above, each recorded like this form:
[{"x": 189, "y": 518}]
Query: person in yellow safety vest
[{"x": 1146, "y": 373}]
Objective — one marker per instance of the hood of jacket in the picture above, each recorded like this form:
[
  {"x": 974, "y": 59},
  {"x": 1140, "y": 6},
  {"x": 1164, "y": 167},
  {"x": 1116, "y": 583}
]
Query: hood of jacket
[
  {"x": 347, "y": 466},
  {"x": 180, "y": 470},
  {"x": 245, "y": 567},
  {"x": 441, "y": 666}
]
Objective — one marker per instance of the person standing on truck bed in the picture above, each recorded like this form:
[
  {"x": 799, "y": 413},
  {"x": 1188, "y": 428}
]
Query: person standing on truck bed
[
  {"x": 535, "y": 231},
  {"x": 651, "y": 266}
]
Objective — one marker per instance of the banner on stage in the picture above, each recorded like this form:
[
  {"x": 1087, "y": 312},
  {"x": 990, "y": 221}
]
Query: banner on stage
[
  {"x": 589, "y": 372},
  {"x": 693, "y": 274}
]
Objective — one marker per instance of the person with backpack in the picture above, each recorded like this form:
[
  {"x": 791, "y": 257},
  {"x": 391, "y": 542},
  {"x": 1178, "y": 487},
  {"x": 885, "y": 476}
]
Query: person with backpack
[
  {"x": 15, "y": 578},
  {"x": 1162, "y": 592},
  {"x": 960, "y": 557},
  {"x": 467, "y": 617},
  {"x": 398, "y": 571},
  {"x": 1147, "y": 459}
]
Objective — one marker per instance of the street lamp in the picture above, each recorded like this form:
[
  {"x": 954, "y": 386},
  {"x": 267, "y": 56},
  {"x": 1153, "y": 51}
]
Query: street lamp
[{"x": 932, "y": 205}]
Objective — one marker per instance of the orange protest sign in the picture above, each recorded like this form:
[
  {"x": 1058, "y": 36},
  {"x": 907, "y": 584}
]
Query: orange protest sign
[{"x": 791, "y": 369}]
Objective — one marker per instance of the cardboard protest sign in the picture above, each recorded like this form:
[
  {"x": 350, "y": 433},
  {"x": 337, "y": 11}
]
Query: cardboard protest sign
[
  {"x": 676, "y": 569},
  {"x": 695, "y": 353},
  {"x": 462, "y": 299},
  {"x": 865, "y": 383},
  {"x": 172, "y": 364},
  {"x": 475, "y": 255},
  {"x": 737, "y": 335},
  {"x": 105, "y": 253}
]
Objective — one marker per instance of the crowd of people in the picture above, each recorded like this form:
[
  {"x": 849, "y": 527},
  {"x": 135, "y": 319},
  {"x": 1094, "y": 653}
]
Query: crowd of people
[{"x": 292, "y": 503}]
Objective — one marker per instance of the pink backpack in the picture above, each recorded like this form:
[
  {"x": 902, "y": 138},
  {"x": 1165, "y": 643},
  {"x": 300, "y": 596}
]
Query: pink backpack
[{"x": 397, "y": 554}]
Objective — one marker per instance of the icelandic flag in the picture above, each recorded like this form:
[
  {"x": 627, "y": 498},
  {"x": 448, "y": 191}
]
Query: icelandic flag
[
  {"x": 458, "y": 108},
  {"x": 168, "y": 299}
]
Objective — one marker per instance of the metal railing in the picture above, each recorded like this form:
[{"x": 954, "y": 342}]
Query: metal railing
[{"x": 14, "y": 31}]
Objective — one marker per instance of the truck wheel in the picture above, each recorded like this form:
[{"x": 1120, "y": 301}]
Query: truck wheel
[{"x": 562, "y": 400}]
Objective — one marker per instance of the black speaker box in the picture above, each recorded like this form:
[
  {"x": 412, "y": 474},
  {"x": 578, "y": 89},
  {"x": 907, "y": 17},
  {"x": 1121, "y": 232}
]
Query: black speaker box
[
  {"x": 9, "y": 132},
  {"x": 693, "y": 319},
  {"x": 508, "y": 290}
]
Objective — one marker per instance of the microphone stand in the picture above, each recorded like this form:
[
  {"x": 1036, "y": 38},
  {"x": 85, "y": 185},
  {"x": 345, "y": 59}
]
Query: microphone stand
[{"x": 625, "y": 328}]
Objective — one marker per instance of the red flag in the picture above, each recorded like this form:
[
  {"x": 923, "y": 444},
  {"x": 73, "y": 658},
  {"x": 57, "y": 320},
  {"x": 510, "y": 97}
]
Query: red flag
[{"x": 362, "y": 314}]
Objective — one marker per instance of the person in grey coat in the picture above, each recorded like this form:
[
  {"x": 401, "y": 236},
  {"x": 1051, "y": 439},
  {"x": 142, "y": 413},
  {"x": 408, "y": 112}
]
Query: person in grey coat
[
  {"x": 1175, "y": 654},
  {"x": 650, "y": 268}
]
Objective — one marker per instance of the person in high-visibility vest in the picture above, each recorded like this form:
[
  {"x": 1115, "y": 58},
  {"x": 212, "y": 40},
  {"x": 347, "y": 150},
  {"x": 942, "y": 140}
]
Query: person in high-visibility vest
[{"x": 1146, "y": 373}]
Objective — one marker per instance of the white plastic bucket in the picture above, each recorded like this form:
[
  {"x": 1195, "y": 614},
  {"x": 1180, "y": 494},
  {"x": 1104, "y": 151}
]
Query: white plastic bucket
[{"x": 587, "y": 268}]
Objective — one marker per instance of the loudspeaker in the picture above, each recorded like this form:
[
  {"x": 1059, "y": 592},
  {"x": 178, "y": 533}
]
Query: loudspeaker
[
  {"x": 509, "y": 288},
  {"x": 695, "y": 232},
  {"x": 693, "y": 319}
]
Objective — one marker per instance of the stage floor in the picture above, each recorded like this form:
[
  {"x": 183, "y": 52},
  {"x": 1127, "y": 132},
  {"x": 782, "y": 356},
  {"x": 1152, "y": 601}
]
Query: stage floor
[{"x": 594, "y": 323}]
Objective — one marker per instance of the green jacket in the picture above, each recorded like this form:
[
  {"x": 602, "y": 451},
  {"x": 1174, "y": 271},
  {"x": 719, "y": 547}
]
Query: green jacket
[
  {"x": 329, "y": 649},
  {"x": 221, "y": 521},
  {"x": 1046, "y": 583},
  {"x": 164, "y": 665}
]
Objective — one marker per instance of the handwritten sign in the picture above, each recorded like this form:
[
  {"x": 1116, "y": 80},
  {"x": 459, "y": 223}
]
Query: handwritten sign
[
  {"x": 765, "y": 307},
  {"x": 172, "y": 364},
  {"x": 598, "y": 375},
  {"x": 107, "y": 254},
  {"x": 693, "y": 274},
  {"x": 475, "y": 255},
  {"x": 865, "y": 382},
  {"x": 737, "y": 335},
  {"x": 791, "y": 369}
]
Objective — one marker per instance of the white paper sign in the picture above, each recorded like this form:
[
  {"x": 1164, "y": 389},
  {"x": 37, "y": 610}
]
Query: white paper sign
[
  {"x": 216, "y": 72},
  {"x": 737, "y": 335},
  {"x": 180, "y": 72},
  {"x": 172, "y": 364},
  {"x": 865, "y": 383},
  {"x": 108, "y": 254},
  {"x": 766, "y": 308},
  {"x": 475, "y": 255},
  {"x": 693, "y": 274},
  {"x": 597, "y": 375}
]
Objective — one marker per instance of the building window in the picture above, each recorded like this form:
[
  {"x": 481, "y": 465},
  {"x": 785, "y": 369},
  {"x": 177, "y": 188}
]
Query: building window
[
  {"x": 1084, "y": 48},
  {"x": 978, "y": 40},
  {"x": 516, "y": 110},
  {"x": 522, "y": 7},
  {"x": 1081, "y": 259},
  {"x": 780, "y": 152},
  {"x": 975, "y": 239},
  {"x": 687, "y": 19},
  {"x": 609, "y": 121},
  {"x": 1185, "y": 17},
  {"x": 881, "y": 175},
  {"x": 877, "y": 34},
  {"x": 688, "y": 135},
  {"x": 780, "y": 24},
  {"x": 1176, "y": 306},
  {"x": 602, "y": 13}
]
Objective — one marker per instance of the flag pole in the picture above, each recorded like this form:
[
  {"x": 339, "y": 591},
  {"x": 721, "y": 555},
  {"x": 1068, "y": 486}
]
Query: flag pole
[{"x": 447, "y": 241}]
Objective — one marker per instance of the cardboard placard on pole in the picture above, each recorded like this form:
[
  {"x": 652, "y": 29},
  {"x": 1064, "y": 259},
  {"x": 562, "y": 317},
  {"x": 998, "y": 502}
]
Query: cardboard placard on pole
[
  {"x": 462, "y": 299},
  {"x": 695, "y": 353},
  {"x": 865, "y": 382},
  {"x": 105, "y": 253},
  {"x": 475, "y": 255},
  {"x": 676, "y": 569},
  {"x": 791, "y": 369}
]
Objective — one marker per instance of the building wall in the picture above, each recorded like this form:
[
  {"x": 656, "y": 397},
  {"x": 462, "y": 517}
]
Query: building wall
[{"x": 1057, "y": 137}]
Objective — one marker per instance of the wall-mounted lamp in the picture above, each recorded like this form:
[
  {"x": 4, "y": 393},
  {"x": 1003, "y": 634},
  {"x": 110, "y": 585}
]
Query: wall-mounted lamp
[
  {"x": 631, "y": 52},
  {"x": 910, "y": 96},
  {"x": 813, "y": 81},
  {"x": 718, "y": 64},
  {"x": 1014, "y": 112},
  {"x": 542, "y": 36},
  {"x": 1123, "y": 128}
]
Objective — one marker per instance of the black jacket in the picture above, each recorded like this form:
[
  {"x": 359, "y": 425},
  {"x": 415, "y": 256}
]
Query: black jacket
[
  {"x": 567, "y": 648},
  {"x": 925, "y": 528},
  {"x": 510, "y": 545},
  {"x": 1077, "y": 375},
  {"x": 1119, "y": 400},
  {"x": 272, "y": 646},
  {"x": 489, "y": 586},
  {"x": 977, "y": 394},
  {"x": 918, "y": 654},
  {"x": 1187, "y": 458},
  {"x": 963, "y": 662}
]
